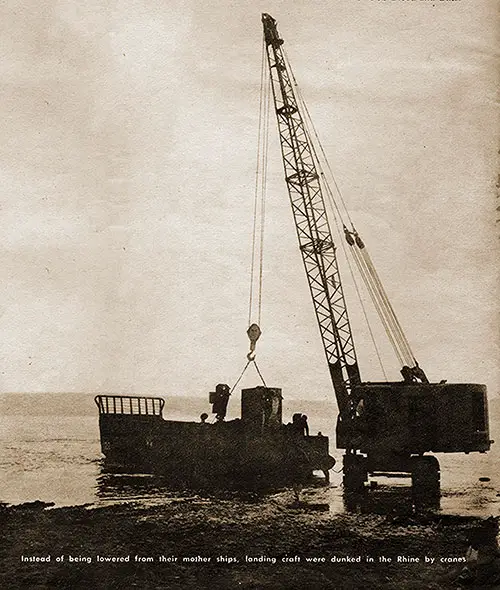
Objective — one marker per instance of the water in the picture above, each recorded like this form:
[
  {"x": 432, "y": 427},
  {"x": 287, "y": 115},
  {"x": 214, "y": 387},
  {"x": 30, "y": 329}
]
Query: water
[{"x": 50, "y": 451}]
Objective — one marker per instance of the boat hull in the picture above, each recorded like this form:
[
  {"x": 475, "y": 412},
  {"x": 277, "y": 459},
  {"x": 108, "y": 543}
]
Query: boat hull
[{"x": 227, "y": 452}]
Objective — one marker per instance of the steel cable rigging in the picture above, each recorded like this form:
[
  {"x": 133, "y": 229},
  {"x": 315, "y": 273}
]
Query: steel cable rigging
[
  {"x": 360, "y": 255},
  {"x": 345, "y": 228},
  {"x": 259, "y": 216}
]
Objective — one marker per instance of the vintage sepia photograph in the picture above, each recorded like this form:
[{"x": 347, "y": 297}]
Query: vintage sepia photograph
[{"x": 250, "y": 295}]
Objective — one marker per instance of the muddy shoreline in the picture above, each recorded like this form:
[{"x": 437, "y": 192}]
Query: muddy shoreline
[{"x": 224, "y": 541}]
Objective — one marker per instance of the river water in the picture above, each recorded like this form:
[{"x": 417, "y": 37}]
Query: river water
[{"x": 50, "y": 451}]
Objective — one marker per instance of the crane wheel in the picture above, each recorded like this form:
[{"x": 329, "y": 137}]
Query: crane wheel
[
  {"x": 355, "y": 474},
  {"x": 425, "y": 480}
]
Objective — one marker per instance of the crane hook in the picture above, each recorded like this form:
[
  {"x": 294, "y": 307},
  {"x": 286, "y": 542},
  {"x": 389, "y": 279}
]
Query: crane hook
[{"x": 253, "y": 333}]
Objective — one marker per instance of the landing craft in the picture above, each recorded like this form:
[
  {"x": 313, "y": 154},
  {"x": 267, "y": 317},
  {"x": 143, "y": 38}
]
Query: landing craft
[{"x": 251, "y": 450}]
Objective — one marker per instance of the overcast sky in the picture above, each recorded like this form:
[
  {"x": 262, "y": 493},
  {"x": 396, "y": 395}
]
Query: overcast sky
[{"x": 128, "y": 147}]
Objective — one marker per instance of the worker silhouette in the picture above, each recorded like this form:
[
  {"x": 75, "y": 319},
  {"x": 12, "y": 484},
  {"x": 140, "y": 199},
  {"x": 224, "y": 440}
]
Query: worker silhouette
[
  {"x": 220, "y": 401},
  {"x": 414, "y": 374},
  {"x": 300, "y": 425}
]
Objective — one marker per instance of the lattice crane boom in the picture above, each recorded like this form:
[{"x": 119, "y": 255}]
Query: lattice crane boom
[{"x": 313, "y": 231}]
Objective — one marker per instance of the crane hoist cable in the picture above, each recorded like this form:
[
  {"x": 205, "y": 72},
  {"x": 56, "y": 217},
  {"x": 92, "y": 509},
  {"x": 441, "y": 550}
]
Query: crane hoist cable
[
  {"x": 380, "y": 299},
  {"x": 259, "y": 215},
  {"x": 259, "y": 209},
  {"x": 339, "y": 225},
  {"x": 360, "y": 254},
  {"x": 367, "y": 270},
  {"x": 398, "y": 330},
  {"x": 373, "y": 297},
  {"x": 259, "y": 212},
  {"x": 311, "y": 130},
  {"x": 337, "y": 215}
]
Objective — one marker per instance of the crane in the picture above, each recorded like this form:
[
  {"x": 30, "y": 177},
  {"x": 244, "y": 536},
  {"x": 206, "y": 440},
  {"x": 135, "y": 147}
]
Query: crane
[{"x": 385, "y": 427}]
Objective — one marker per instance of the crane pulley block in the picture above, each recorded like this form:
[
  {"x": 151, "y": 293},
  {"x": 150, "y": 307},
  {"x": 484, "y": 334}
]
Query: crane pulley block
[{"x": 254, "y": 333}]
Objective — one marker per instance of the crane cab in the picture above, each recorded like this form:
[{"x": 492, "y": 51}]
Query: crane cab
[
  {"x": 393, "y": 421},
  {"x": 391, "y": 426}
]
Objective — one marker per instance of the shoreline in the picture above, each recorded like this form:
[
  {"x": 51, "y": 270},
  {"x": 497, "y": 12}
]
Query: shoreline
[{"x": 227, "y": 541}]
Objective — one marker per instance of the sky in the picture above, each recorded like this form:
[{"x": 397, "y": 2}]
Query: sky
[{"x": 128, "y": 150}]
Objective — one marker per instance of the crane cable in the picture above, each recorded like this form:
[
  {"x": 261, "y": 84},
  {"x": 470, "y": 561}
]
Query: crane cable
[
  {"x": 373, "y": 296},
  {"x": 337, "y": 215},
  {"x": 376, "y": 291},
  {"x": 259, "y": 216},
  {"x": 259, "y": 209},
  {"x": 249, "y": 362},
  {"x": 263, "y": 189},
  {"x": 404, "y": 345},
  {"x": 309, "y": 123},
  {"x": 361, "y": 257}
]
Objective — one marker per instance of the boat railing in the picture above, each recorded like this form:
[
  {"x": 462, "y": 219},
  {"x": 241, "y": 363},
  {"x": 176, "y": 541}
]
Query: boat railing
[{"x": 130, "y": 404}]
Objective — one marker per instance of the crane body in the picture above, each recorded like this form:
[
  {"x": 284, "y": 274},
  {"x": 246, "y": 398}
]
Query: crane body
[{"x": 384, "y": 427}]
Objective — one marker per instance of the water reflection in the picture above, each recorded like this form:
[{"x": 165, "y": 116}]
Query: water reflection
[
  {"x": 395, "y": 500},
  {"x": 152, "y": 489},
  {"x": 148, "y": 490},
  {"x": 385, "y": 497}
]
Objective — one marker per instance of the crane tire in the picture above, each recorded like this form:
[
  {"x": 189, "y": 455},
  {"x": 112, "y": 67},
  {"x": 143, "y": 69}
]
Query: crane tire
[{"x": 425, "y": 480}]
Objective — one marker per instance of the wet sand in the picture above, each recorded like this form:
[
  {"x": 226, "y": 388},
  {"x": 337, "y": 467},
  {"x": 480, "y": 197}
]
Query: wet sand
[{"x": 226, "y": 541}]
